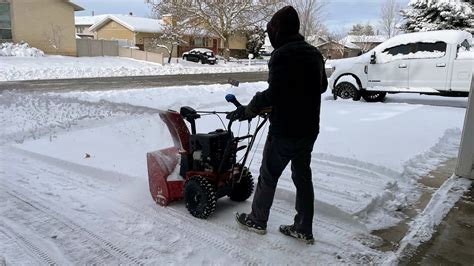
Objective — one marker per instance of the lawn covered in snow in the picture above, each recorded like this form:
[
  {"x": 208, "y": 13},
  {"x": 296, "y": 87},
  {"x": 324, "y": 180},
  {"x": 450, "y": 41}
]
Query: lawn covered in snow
[
  {"x": 60, "y": 206},
  {"x": 64, "y": 67}
]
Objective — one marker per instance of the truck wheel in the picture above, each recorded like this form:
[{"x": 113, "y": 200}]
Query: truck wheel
[
  {"x": 373, "y": 96},
  {"x": 243, "y": 190},
  {"x": 200, "y": 197},
  {"x": 346, "y": 90}
]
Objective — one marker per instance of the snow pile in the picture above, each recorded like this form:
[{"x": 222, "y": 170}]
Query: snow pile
[
  {"x": 464, "y": 53},
  {"x": 19, "y": 49},
  {"x": 63, "y": 67},
  {"x": 423, "y": 227}
]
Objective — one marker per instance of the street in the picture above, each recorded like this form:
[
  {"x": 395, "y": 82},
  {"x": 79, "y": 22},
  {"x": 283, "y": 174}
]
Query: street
[{"x": 107, "y": 83}]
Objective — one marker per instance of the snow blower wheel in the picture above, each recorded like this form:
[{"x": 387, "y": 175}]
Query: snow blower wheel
[
  {"x": 243, "y": 190},
  {"x": 200, "y": 197}
]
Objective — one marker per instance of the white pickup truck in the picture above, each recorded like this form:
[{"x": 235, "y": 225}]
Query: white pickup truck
[{"x": 436, "y": 62}]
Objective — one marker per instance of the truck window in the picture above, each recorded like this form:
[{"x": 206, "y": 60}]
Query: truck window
[
  {"x": 464, "y": 46},
  {"x": 403, "y": 49},
  {"x": 431, "y": 47}
]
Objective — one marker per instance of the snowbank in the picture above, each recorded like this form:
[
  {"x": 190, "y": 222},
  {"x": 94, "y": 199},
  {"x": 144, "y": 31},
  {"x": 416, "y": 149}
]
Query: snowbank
[
  {"x": 63, "y": 67},
  {"x": 19, "y": 49}
]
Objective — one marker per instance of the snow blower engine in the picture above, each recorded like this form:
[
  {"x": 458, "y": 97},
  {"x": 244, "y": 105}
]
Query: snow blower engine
[{"x": 208, "y": 166}]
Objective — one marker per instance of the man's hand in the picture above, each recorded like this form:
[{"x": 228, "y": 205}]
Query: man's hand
[{"x": 240, "y": 114}]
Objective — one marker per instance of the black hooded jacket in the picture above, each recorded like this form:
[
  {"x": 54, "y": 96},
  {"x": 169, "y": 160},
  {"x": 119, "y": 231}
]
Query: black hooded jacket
[{"x": 296, "y": 80}]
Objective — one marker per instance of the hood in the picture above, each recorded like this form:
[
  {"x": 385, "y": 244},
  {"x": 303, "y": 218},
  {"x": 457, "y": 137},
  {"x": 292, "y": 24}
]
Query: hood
[{"x": 284, "y": 27}]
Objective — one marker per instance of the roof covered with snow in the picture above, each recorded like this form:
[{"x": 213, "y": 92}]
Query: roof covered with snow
[
  {"x": 89, "y": 20},
  {"x": 365, "y": 39},
  {"x": 135, "y": 24},
  {"x": 76, "y": 7}
]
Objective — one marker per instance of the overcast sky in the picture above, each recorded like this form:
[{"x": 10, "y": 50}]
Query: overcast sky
[{"x": 340, "y": 13}]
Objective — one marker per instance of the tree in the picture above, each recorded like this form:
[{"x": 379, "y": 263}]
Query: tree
[
  {"x": 359, "y": 30},
  {"x": 171, "y": 36},
  {"x": 255, "y": 41},
  {"x": 311, "y": 14},
  {"x": 337, "y": 41},
  {"x": 221, "y": 17},
  {"x": 429, "y": 15},
  {"x": 390, "y": 17}
]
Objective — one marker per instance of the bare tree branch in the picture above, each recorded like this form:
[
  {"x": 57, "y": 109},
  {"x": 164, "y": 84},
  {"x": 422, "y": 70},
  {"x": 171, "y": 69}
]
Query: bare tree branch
[
  {"x": 390, "y": 17},
  {"x": 222, "y": 17}
]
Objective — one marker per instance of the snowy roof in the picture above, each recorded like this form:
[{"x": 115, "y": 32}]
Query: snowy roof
[
  {"x": 365, "y": 38},
  {"x": 89, "y": 20},
  {"x": 347, "y": 45},
  {"x": 447, "y": 36},
  {"x": 76, "y": 7},
  {"x": 135, "y": 24}
]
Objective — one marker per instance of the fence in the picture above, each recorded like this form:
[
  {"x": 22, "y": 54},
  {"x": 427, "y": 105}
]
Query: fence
[
  {"x": 89, "y": 47},
  {"x": 141, "y": 55}
]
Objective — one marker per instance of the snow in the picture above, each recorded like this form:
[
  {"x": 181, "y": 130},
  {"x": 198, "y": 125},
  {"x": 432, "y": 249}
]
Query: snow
[
  {"x": 63, "y": 67},
  {"x": 423, "y": 227},
  {"x": 57, "y": 206},
  {"x": 447, "y": 36},
  {"x": 135, "y": 24},
  {"x": 385, "y": 57},
  {"x": 19, "y": 49},
  {"x": 89, "y": 20}
]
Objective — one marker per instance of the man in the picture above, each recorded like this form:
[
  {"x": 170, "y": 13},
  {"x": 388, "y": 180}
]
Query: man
[{"x": 296, "y": 81}]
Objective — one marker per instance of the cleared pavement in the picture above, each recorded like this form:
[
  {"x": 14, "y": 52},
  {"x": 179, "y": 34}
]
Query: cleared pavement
[{"x": 107, "y": 83}]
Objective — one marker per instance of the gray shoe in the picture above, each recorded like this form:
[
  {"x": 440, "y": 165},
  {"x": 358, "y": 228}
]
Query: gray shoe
[
  {"x": 246, "y": 223},
  {"x": 290, "y": 230}
]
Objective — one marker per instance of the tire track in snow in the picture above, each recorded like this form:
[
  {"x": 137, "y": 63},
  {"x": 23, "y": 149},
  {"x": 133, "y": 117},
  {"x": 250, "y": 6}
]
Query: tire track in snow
[
  {"x": 107, "y": 246},
  {"x": 37, "y": 252},
  {"x": 198, "y": 232}
]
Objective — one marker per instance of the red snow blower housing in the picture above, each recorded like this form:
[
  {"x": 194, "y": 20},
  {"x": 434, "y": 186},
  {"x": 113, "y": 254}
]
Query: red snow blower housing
[{"x": 208, "y": 167}]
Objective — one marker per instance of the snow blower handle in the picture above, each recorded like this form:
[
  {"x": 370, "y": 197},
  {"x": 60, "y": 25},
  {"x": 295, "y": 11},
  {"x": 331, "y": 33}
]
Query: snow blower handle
[{"x": 231, "y": 99}]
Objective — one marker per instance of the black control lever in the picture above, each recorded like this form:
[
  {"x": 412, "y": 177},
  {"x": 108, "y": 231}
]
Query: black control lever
[{"x": 231, "y": 99}]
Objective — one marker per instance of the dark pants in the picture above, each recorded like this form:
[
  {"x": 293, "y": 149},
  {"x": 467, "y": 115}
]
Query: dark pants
[{"x": 278, "y": 152}]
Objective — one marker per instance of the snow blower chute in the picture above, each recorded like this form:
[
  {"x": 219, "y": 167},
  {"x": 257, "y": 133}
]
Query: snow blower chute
[{"x": 201, "y": 167}]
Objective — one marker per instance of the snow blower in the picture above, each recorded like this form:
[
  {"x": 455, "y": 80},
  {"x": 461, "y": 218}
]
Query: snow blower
[{"x": 201, "y": 167}]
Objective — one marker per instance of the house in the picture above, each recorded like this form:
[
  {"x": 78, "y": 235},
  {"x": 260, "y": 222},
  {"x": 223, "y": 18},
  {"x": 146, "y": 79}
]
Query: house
[
  {"x": 337, "y": 50},
  {"x": 144, "y": 33},
  {"x": 44, "y": 24},
  {"x": 83, "y": 23}
]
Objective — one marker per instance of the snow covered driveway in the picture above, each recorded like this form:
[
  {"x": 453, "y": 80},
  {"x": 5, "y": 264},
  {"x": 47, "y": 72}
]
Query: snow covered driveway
[
  {"x": 58, "y": 205},
  {"x": 63, "y": 67}
]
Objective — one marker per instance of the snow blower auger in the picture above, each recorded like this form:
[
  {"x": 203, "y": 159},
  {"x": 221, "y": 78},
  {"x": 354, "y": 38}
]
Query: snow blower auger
[{"x": 208, "y": 167}]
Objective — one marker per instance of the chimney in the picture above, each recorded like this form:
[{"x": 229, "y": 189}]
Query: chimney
[
  {"x": 130, "y": 13},
  {"x": 93, "y": 13}
]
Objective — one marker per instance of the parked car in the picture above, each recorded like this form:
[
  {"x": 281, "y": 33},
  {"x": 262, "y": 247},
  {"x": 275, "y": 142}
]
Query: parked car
[
  {"x": 203, "y": 55},
  {"x": 436, "y": 62}
]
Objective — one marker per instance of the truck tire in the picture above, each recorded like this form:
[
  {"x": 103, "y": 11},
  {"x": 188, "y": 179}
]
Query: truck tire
[
  {"x": 346, "y": 90},
  {"x": 200, "y": 197},
  {"x": 373, "y": 96},
  {"x": 243, "y": 190}
]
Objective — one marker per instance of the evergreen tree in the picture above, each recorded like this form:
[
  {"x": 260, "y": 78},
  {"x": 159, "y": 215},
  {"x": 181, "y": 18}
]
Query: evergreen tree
[
  {"x": 429, "y": 15},
  {"x": 359, "y": 30},
  {"x": 255, "y": 41}
]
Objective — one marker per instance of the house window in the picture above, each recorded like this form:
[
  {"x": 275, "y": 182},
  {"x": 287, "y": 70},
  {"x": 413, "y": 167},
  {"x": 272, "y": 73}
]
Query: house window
[
  {"x": 5, "y": 22},
  {"x": 199, "y": 41}
]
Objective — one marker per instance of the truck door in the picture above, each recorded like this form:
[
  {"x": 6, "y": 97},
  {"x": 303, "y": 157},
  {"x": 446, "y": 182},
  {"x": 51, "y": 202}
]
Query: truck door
[
  {"x": 390, "y": 70},
  {"x": 428, "y": 67}
]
